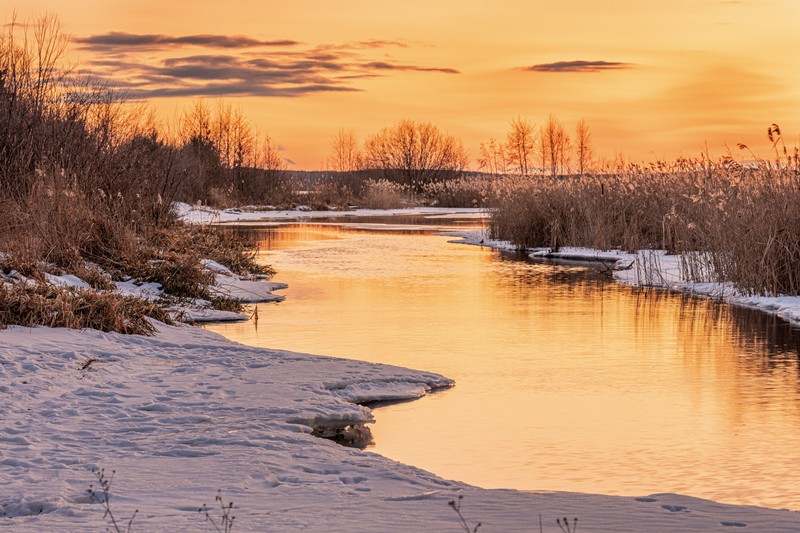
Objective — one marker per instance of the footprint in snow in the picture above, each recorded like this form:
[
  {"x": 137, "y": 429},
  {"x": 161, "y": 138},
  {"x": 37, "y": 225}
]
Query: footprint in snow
[
  {"x": 322, "y": 471},
  {"x": 674, "y": 508},
  {"x": 352, "y": 480}
]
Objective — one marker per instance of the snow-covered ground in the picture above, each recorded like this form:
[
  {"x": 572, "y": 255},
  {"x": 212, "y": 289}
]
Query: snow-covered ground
[
  {"x": 186, "y": 413},
  {"x": 183, "y": 414},
  {"x": 651, "y": 268}
]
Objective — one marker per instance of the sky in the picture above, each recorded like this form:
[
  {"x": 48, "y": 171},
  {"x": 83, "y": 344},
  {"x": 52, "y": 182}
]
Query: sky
[{"x": 653, "y": 80}]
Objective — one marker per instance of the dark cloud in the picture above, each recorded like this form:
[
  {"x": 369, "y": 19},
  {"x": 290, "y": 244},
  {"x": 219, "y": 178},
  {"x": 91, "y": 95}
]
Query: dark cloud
[
  {"x": 237, "y": 65},
  {"x": 114, "y": 40},
  {"x": 251, "y": 72},
  {"x": 578, "y": 66},
  {"x": 234, "y": 89}
]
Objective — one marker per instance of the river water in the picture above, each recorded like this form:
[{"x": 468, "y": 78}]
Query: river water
[{"x": 565, "y": 380}]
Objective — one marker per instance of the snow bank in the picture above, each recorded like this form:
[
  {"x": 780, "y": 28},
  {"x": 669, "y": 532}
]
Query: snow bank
[
  {"x": 206, "y": 215},
  {"x": 227, "y": 284},
  {"x": 187, "y": 412}
]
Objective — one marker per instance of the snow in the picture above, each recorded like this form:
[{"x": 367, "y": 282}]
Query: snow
[
  {"x": 248, "y": 290},
  {"x": 66, "y": 280},
  {"x": 650, "y": 268},
  {"x": 205, "y": 215},
  {"x": 183, "y": 414},
  {"x": 227, "y": 284}
]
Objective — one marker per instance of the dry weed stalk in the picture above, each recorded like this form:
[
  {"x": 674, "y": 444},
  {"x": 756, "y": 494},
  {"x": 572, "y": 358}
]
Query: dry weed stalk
[{"x": 104, "y": 498}]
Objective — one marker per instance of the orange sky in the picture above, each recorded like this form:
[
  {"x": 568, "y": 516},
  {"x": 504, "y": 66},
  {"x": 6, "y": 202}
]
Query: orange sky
[{"x": 658, "y": 79}]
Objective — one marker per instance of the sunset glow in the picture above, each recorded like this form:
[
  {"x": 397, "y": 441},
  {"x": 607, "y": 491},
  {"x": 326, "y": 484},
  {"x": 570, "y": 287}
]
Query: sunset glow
[{"x": 653, "y": 80}]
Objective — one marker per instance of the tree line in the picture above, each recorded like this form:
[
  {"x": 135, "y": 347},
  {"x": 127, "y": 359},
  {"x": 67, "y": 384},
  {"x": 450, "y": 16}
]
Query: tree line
[{"x": 530, "y": 151}]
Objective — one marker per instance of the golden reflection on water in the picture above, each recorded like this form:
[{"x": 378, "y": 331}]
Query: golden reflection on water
[{"x": 565, "y": 381}]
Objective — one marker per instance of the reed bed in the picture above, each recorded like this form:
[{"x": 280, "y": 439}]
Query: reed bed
[
  {"x": 385, "y": 194},
  {"x": 730, "y": 222}
]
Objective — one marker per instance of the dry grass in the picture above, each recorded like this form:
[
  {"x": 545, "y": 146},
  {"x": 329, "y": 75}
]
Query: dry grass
[
  {"x": 208, "y": 242},
  {"x": 180, "y": 275},
  {"x": 57, "y": 307},
  {"x": 385, "y": 194},
  {"x": 460, "y": 192},
  {"x": 731, "y": 222}
]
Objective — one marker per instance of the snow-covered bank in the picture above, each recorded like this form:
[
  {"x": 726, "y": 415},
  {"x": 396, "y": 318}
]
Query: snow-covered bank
[
  {"x": 185, "y": 413},
  {"x": 650, "y": 268},
  {"x": 227, "y": 284},
  {"x": 207, "y": 215}
]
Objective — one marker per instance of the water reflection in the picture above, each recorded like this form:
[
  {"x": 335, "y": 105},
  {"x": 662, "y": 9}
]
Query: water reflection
[{"x": 565, "y": 381}]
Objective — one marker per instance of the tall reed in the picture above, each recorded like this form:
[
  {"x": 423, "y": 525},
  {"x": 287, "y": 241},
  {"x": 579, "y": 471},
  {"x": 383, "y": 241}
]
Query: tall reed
[{"x": 731, "y": 222}]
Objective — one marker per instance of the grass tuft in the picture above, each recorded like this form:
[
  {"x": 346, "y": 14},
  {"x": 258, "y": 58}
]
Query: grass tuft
[{"x": 36, "y": 304}]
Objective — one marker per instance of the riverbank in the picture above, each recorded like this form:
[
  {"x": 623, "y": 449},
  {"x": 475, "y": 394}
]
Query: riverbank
[
  {"x": 649, "y": 268},
  {"x": 186, "y": 413}
]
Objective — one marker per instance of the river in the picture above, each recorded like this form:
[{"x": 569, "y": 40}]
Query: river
[{"x": 565, "y": 380}]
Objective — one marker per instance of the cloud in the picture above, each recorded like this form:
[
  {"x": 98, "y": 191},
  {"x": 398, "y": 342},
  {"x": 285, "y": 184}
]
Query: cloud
[
  {"x": 237, "y": 66},
  {"x": 112, "y": 40},
  {"x": 379, "y": 43},
  {"x": 578, "y": 66},
  {"x": 382, "y": 65},
  {"x": 235, "y": 89}
]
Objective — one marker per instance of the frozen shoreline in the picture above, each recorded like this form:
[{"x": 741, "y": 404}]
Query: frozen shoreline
[
  {"x": 207, "y": 215},
  {"x": 186, "y": 413},
  {"x": 649, "y": 268}
]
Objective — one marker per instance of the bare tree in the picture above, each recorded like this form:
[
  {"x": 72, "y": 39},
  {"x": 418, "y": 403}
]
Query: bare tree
[
  {"x": 51, "y": 43},
  {"x": 195, "y": 124},
  {"x": 272, "y": 166},
  {"x": 555, "y": 145},
  {"x": 345, "y": 153},
  {"x": 32, "y": 77},
  {"x": 416, "y": 153},
  {"x": 221, "y": 132},
  {"x": 492, "y": 157},
  {"x": 520, "y": 143},
  {"x": 242, "y": 143},
  {"x": 583, "y": 146},
  {"x": 269, "y": 156},
  {"x": 542, "y": 151}
]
